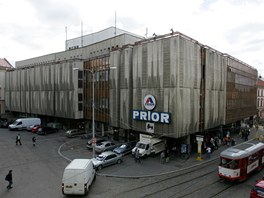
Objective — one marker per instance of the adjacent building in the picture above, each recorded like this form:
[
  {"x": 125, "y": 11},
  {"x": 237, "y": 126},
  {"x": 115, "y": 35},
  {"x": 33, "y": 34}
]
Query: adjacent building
[
  {"x": 4, "y": 65},
  {"x": 260, "y": 98}
]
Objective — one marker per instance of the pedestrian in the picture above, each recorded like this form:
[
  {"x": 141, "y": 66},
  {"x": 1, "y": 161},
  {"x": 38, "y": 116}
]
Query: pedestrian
[
  {"x": 137, "y": 156},
  {"x": 209, "y": 151},
  {"x": 246, "y": 134},
  {"x": 18, "y": 139},
  {"x": 9, "y": 179},
  {"x": 34, "y": 140},
  {"x": 162, "y": 157}
]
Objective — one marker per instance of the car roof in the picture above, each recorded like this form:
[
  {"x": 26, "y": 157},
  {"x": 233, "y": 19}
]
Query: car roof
[
  {"x": 260, "y": 183},
  {"x": 106, "y": 141},
  {"x": 107, "y": 153}
]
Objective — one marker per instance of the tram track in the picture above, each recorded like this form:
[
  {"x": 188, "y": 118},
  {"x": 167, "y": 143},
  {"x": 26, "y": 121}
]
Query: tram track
[{"x": 171, "y": 181}]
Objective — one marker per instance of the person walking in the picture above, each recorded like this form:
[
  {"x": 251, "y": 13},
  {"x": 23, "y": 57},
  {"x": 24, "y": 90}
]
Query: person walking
[
  {"x": 162, "y": 157},
  {"x": 246, "y": 134},
  {"x": 209, "y": 151},
  {"x": 9, "y": 178},
  {"x": 18, "y": 139},
  {"x": 137, "y": 156},
  {"x": 34, "y": 140}
]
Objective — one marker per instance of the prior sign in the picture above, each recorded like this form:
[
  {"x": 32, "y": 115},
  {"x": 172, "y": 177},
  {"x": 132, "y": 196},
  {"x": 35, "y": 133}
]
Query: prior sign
[{"x": 152, "y": 116}]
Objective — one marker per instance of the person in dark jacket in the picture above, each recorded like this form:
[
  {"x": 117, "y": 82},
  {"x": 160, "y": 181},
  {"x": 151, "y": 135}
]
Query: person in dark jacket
[
  {"x": 34, "y": 140},
  {"x": 18, "y": 139},
  {"x": 9, "y": 179}
]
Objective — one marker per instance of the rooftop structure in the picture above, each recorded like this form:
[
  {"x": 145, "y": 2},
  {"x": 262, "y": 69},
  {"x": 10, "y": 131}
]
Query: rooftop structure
[{"x": 96, "y": 37}]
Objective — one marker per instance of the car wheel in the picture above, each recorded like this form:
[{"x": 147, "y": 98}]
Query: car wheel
[
  {"x": 100, "y": 167},
  {"x": 119, "y": 161}
]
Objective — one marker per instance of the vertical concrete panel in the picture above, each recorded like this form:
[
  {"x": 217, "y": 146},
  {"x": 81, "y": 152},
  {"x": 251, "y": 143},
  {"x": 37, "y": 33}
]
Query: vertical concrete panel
[
  {"x": 114, "y": 93},
  {"x": 126, "y": 98},
  {"x": 215, "y": 69}
]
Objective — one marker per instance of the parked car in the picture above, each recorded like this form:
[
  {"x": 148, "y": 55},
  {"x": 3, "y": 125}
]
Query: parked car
[
  {"x": 74, "y": 132},
  {"x": 106, "y": 158},
  {"x": 55, "y": 125},
  {"x": 87, "y": 136},
  {"x": 258, "y": 189},
  {"x": 105, "y": 146},
  {"x": 89, "y": 144},
  {"x": 46, "y": 130},
  {"x": 36, "y": 128},
  {"x": 125, "y": 148},
  {"x": 3, "y": 123},
  {"x": 29, "y": 128}
]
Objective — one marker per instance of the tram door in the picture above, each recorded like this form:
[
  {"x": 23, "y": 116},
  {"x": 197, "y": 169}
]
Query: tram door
[{"x": 243, "y": 169}]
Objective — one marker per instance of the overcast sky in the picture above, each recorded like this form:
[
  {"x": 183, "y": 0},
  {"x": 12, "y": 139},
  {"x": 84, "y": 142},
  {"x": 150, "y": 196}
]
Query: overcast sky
[{"x": 31, "y": 28}]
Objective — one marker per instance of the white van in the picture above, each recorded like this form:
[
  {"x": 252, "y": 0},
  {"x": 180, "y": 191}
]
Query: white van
[
  {"x": 78, "y": 177},
  {"x": 24, "y": 123}
]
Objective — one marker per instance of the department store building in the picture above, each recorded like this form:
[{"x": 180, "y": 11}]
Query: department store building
[{"x": 169, "y": 86}]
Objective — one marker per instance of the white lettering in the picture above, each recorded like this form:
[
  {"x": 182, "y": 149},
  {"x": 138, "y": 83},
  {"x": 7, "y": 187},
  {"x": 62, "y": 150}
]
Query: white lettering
[
  {"x": 135, "y": 114},
  {"x": 143, "y": 115},
  {"x": 151, "y": 116},
  {"x": 165, "y": 118},
  {"x": 155, "y": 117}
]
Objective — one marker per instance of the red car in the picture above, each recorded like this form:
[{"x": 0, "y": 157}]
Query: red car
[
  {"x": 258, "y": 190},
  {"x": 35, "y": 128}
]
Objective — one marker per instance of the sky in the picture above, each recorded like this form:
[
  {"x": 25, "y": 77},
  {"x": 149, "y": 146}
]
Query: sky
[{"x": 32, "y": 28}]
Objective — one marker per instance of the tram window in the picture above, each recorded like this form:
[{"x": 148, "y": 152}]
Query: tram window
[
  {"x": 224, "y": 162},
  {"x": 228, "y": 163},
  {"x": 252, "y": 158},
  {"x": 234, "y": 164}
]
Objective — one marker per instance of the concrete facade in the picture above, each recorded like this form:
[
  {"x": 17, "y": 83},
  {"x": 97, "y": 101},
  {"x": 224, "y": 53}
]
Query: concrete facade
[
  {"x": 49, "y": 86},
  {"x": 188, "y": 80},
  {"x": 188, "y": 86}
]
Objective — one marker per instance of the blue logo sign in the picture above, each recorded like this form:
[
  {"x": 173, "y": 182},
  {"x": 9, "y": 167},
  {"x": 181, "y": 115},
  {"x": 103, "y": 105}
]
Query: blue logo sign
[{"x": 149, "y": 102}]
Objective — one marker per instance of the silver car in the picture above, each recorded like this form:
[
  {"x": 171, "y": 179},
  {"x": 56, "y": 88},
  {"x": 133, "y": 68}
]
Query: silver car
[
  {"x": 74, "y": 132},
  {"x": 106, "y": 158},
  {"x": 105, "y": 146}
]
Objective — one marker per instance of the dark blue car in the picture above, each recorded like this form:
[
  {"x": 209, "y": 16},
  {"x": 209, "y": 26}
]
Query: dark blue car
[{"x": 125, "y": 148}]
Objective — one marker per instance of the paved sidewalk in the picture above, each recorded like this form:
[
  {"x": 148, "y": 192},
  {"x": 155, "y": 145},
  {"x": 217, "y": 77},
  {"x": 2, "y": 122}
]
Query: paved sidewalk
[{"x": 151, "y": 165}]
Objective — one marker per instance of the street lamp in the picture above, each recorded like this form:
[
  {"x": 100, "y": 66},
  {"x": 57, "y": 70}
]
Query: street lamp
[{"x": 93, "y": 71}]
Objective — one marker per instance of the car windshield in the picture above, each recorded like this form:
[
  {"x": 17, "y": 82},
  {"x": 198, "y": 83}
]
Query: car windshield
[
  {"x": 100, "y": 157},
  {"x": 123, "y": 146},
  {"x": 15, "y": 123},
  {"x": 141, "y": 145},
  {"x": 229, "y": 163}
]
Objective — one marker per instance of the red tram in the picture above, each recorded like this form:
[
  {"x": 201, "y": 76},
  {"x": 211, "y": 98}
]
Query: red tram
[{"x": 238, "y": 162}]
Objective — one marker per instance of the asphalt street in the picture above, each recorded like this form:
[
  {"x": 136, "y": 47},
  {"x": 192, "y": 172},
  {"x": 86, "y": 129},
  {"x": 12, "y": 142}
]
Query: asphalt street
[{"x": 75, "y": 148}]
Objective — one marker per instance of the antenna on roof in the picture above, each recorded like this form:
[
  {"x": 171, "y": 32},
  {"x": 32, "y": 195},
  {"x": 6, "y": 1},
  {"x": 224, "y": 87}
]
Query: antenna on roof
[{"x": 146, "y": 33}]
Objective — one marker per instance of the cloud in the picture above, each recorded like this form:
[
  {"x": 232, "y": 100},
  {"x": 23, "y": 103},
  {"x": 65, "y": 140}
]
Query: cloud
[
  {"x": 34, "y": 28},
  {"x": 56, "y": 12}
]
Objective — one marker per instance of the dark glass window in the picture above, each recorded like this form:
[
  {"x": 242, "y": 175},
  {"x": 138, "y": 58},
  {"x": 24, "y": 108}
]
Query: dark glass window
[
  {"x": 80, "y": 84},
  {"x": 80, "y": 98},
  {"x": 80, "y": 74},
  {"x": 80, "y": 106}
]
